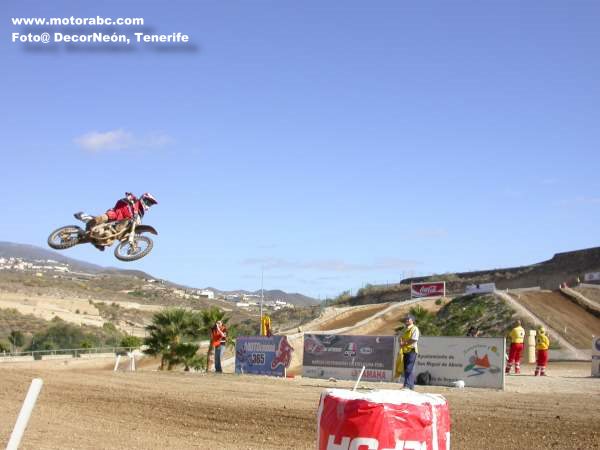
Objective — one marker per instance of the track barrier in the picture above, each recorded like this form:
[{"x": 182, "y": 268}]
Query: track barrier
[
  {"x": 385, "y": 419},
  {"x": 25, "y": 414}
]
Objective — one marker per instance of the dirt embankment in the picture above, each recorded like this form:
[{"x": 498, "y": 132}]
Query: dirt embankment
[
  {"x": 386, "y": 324},
  {"x": 350, "y": 317},
  {"x": 132, "y": 316},
  {"x": 574, "y": 323},
  {"x": 92, "y": 408}
]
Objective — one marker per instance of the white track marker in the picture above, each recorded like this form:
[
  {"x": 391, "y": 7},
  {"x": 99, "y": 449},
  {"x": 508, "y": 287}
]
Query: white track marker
[
  {"x": 117, "y": 363},
  {"x": 25, "y": 414},
  {"x": 132, "y": 363},
  {"x": 359, "y": 377}
]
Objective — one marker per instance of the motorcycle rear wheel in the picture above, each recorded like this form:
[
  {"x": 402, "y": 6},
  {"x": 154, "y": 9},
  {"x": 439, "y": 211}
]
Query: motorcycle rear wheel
[
  {"x": 65, "y": 237},
  {"x": 126, "y": 252}
]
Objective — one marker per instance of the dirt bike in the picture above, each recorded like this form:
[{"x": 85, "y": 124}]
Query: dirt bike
[{"x": 132, "y": 244}]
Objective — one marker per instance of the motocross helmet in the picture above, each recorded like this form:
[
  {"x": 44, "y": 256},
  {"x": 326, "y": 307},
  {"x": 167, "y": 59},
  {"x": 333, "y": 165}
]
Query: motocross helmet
[
  {"x": 130, "y": 198},
  {"x": 147, "y": 200}
]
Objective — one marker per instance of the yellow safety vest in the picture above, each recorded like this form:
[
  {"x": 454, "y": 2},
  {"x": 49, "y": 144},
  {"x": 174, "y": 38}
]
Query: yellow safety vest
[
  {"x": 542, "y": 342},
  {"x": 517, "y": 335},
  {"x": 408, "y": 334}
]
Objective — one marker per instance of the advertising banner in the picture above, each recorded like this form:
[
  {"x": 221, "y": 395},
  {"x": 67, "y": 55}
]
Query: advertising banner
[
  {"x": 596, "y": 356},
  {"x": 483, "y": 288},
  {"x": 342, "y": 357},
  {"x": 479, "y": 362},
  {"x": 428, "y": 289},
  {"x": 592, "y": 276},
  {"x": 262, "y": 355}
]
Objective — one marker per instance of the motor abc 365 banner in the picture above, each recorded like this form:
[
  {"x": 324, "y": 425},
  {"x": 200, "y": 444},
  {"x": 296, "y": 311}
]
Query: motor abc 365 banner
[{"x": 263, "y": 355}]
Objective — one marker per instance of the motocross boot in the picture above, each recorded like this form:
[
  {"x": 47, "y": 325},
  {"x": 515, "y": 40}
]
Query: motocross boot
[{"x": 92, "y": 223}]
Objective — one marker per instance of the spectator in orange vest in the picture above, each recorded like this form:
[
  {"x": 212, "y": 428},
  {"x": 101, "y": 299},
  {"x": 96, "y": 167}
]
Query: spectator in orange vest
[
  {"x": 218, "y": 337},
  {"x": 516, "y": 337}
]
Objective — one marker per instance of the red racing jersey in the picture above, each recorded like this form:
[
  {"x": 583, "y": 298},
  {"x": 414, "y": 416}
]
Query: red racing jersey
[{"x": 123, "y": 210}]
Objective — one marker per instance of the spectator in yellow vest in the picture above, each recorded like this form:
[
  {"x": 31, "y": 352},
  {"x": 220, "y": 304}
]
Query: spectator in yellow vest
[
  {"x": 542, "y": 344},
  {"x": 408, "y": 343},
  {"x": 516, "y": 337}
]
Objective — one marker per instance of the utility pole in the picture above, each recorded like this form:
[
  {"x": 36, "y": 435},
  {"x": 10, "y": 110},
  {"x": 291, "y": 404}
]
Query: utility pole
[{"x": 262, "y": 276}]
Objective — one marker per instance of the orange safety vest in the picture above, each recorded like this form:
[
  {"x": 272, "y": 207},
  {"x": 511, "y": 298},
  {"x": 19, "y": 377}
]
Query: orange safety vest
[{"x": 215, "y": 337}]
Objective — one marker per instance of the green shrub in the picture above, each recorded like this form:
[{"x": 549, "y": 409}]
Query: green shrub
[
  {"x": 63, "y": 335},
  {"x": 131, "y": 341},
  {"x": 4, "y": 346},
  {"x": 110, "y": 327}
]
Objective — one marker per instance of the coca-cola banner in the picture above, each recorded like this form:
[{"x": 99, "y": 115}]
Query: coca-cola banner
[{"x": 437, "y": 289}]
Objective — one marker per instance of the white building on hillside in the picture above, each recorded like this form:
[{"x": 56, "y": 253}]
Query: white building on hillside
[{"x": 208, "y": 293}]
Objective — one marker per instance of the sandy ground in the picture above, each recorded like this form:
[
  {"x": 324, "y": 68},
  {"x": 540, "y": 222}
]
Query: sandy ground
[{"x": 85, "y": 405}]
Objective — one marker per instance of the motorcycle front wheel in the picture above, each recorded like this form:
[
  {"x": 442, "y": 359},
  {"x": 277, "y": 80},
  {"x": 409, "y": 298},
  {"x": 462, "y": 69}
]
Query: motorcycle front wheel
[
  {"x": 65, "y": 237},
  {"x": 130, "y": 251}
]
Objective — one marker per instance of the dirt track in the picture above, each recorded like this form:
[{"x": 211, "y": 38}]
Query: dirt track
[
  {"x": 387, "y": 324},
  {"x": 91, "y": 407},
  {"x": 575, "y": 324}
]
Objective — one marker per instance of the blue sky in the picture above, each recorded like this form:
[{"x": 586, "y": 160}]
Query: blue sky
[{"x": 329, "y": 144}]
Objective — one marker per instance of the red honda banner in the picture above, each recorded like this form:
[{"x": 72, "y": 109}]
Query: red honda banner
[
  {"x": 382, "y": 420},
  {"x": 428, "y": 289}
]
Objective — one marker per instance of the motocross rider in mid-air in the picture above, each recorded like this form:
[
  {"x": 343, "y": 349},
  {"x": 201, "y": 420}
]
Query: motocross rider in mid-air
[{"x": 125, "y": 208}]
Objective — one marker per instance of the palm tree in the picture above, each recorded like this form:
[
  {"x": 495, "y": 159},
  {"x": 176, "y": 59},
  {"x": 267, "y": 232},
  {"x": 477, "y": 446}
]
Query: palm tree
[
  {"x": 425, "y": 320},
  {"x": 171, "y": 333},
  {"x": 16, "y": 338},
  {"x": 187, "y": 354}
]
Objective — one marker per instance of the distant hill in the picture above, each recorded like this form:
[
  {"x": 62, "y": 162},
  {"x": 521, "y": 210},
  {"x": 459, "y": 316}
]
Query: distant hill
[
  {"x": 32, "y": 252},
  {"x": 272, "y": 295}
]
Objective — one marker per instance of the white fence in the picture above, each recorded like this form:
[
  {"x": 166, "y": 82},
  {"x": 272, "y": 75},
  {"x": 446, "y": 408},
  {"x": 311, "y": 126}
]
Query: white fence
[
  {"x": 11, "y": 358},
  {"x": 87, "y": 353}
]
